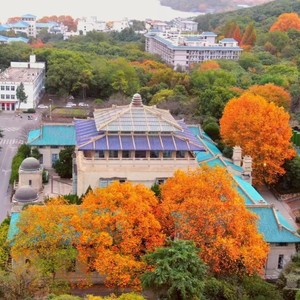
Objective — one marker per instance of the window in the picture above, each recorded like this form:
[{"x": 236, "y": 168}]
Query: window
[
  {"x": 167, "y": 154},
  {"x": 113, "y": 154},
  {"x": 12, "y": 88},
  {"x": 281, "y": 244},
  {"x": 140, "y": 154},
  {"x": 2, "y": 96},
  {"x": 12, "y": 96},
  {"x": 180, "y": 154},
  {"x": 104, "y": 182},
  {"x": 7, "y": 87},
  {"x": 2, "y": 88},
  {"x": 7, "y": 96},
  {"x": 280, "y": 261},
  {"x": 100, "y": 154},
  {"x": 30, "y": 182},
  {"x": 160, "y": 180},
  {"x": 54, "y": 157},
  {"x": 125, "y": 154},
  {"x": 154, "y": 154}
]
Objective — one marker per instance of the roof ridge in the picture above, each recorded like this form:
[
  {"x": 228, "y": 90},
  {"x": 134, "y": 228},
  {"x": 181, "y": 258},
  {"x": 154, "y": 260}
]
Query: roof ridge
[
  {"x": 115, "y": 117},
  {"x": 159, "y": 113},
  {"x": 280, "y": 226}
]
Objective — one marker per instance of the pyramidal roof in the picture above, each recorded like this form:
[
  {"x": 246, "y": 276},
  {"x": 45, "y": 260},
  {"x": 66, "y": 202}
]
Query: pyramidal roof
[{"x": 135, "y": 117}]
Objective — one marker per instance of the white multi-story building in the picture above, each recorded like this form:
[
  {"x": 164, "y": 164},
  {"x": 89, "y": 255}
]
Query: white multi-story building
[
  {"x": 31, "y": 74},
  {"x": 185, "y": 25},
  {"x": 85, "y": 25},
  {"x": 183, "y": 51}
]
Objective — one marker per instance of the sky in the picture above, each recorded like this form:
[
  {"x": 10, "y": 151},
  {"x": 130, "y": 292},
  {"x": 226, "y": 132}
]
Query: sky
[{"x": 104, "y": 9}]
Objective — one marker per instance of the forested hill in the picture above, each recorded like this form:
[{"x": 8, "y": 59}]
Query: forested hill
[
  {"x": 212, "y": 6},
  {"x": 263, "y": 16}
]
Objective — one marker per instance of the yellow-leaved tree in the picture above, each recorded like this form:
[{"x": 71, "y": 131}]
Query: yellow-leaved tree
[
  {"x": 117, "y": 226},
  {"x": 204, "y": 206},
  {"x": 262, "y": 130}
]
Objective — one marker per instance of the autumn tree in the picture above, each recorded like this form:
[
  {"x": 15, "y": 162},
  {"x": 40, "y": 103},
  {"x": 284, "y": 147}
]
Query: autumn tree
[
  {"x": 249, "y": 36},
  {"x": 209, "y": 65},
  {"x": 286, "y": 22},
  {"x": 273, "y": 93},
  {"x": 117, "y": 226},
  {"x": 13, "y": 20},
  {"x": 204, "y": 206},
  {"x": 262, "y": 130},
  {"x": 46, "y": 237}
]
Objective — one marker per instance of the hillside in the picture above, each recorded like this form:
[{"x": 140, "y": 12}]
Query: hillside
[
  {"x": 263, "y": 16},
  {"x": 210, "y": 6}
]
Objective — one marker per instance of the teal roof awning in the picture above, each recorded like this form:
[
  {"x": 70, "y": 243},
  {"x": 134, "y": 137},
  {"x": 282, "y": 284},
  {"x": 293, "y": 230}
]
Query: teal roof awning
[
  {"x": 273, "y": 227},
  {"x": 56, "y": 135},
  {"x": 13, "y": 229}
]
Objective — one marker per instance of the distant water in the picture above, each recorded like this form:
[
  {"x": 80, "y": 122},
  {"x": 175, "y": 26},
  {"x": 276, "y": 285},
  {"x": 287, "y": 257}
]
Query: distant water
[{"x": 104, "y": 9}]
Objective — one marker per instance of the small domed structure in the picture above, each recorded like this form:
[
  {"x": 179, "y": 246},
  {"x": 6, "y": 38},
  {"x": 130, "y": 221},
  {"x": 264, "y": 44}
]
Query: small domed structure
[
  {"x": 30, "y": 164},
  {"x": 136, "y": 100},
  {"x": 25, "y": 194}
]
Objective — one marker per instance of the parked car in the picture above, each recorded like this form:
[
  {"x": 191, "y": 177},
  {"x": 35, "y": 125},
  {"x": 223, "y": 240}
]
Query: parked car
[
  {"x": 42, "y": 106},
  {"x": 83, "y": 104}
]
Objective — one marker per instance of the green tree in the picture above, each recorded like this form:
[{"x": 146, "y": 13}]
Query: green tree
[
  {"x": 178, "y": 271},
  {"x": 22, "y": 153},
  {"x": 290, "y": 181},
  {"x": 4, "y": 247},
  {"x": 63, "y": 166},
  {"x": 20, "y": 94},
  {"x": 206, "y": 80},
  {"x": 213, "y": 100}
]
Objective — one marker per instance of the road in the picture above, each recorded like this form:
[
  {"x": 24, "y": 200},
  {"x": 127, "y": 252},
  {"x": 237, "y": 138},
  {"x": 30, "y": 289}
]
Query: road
[{"x": 15, "y": 130}]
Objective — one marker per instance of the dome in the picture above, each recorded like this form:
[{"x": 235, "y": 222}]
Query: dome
[
  {"x": 30, "y": 164},
  {"x": 136, "y": 100},
  {"x": 25, "y": 194}
]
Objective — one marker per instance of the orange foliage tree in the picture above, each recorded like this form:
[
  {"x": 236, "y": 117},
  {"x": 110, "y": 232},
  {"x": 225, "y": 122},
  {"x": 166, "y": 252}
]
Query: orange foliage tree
[
  {"x": 203, "y": 206},
  {"x": 117, "y": 226},
  {"x": 160, "y": 72},
  {"x": 286, "y": 21},
  {"x": 209, "y": 65},
  {"x": 262, "y": 130},
  {"x": 13, "y": 20},
  {"x": 273, "y": 93},
  {"x": 46, "y": 237},
  {"x": 66, "y": 20},
  {"x": 249, "y": 36}
]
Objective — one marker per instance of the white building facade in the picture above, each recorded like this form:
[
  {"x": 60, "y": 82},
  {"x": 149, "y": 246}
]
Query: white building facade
[
  {"x": 31, "y": 74},
  {"x": 183, "y": 51}
]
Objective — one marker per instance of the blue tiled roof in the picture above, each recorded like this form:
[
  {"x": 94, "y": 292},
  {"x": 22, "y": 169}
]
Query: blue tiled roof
[
  {"x": 20, "y": 24},
  {"x": 228, "y": 40},
  {"x": 29, "y": 16},
  {"x": 124, "y": 128},
  {"x": 18, "y": 39},
  {"x": 3, "y": 38},
  {"x": 13, "y": 229},
  {"x": 248, "y": 192},
  {"x": 44, "y": 25},
  {"x": 271, "y": 227},
  {"x": 47, "y": 135},
  {"x": 4, "y": 27},
  {"x": 208, "y": 33}
]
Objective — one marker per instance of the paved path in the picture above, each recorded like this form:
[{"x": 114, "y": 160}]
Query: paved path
[{"x": 282, "y": 207}]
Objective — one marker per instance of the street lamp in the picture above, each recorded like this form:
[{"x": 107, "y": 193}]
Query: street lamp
[{"x": 50, "y": 106}]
